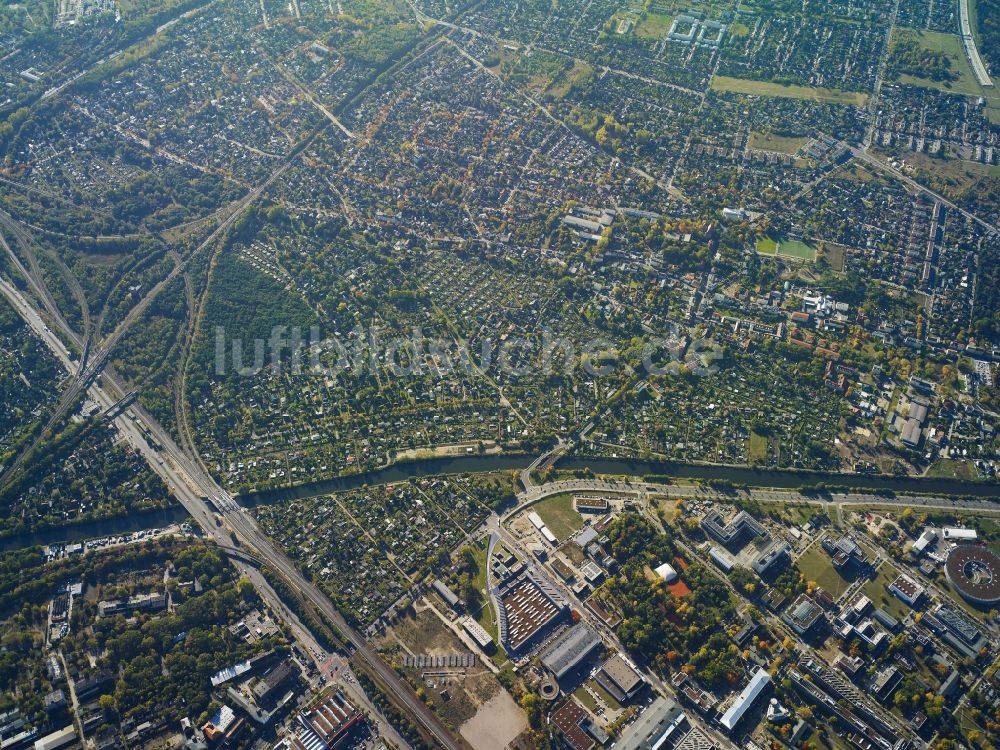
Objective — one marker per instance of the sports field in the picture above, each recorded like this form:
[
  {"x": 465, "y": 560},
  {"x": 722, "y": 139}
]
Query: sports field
[
  {"x": 768, "y": 88},
  {"x": 786, "y": 248}
]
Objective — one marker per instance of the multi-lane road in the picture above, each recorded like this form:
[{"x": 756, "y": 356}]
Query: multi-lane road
[
  {"x": 195, "y": 489},
  {"x": 200, "y": 494},
  {"x": 761, "y": 494}
]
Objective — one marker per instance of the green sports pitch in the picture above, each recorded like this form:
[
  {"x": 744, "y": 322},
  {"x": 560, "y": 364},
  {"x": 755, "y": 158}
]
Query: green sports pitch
[{"x": 787, "y": 248}]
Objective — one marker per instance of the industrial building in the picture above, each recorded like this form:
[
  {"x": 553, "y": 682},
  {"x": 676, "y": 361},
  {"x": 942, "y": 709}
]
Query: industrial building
[
  {"x": 56, "y": 740},
  {"x": 449, "y": 596},
  {"x": 268, "y": 686},
  {"x": 538, "y": 523},
  {"x": 477, "y": 633},
  {"x": 959, "y": 535},
  {"x": 574, "y": 726},
  {"x": 325, "y": 726},
  {"x": 570, "y": 649},
  {"x": 926, "y": 539},
  {"x": 620, "y": 678},
  {"x": 955, "y": 628},
  {"x": 590, "y": 504},
  {"x": 528, "y": 610},
  {"x": 660, "y": 725}
]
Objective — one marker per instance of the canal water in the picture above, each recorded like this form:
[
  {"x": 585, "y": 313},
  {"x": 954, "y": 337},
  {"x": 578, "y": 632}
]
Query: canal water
[{"x": 738, "y": 475}]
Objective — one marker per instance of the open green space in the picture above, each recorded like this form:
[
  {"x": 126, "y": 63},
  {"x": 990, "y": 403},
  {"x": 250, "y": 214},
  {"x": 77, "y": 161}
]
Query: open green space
[
  {"x": 772, "y": 142},
  {"x": 576, "y": 77},
  {"x": 950, "y": 46},
  {"x": 757, "y": 450},
  {"x": 653, "y": 25},
  {"x": 486, "y": 616},
  {"x": 609, "y": 700},
  {"x": 767, "y": 246},
  {"x": 951, "y": 469},
  {"x": 586, "y": 699},
  {"x": 789, "y": 248},
  {"x": 797, "y": 249},
  {"x": 876, "y": 590},
  {"x": 769, "y": 88},
  {"x": 817, "y": 566},
  {"x": 558, "y": 514}
]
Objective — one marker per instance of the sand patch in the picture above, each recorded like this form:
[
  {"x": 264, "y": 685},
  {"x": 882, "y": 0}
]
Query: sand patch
[{"x": 496, "y": 724}]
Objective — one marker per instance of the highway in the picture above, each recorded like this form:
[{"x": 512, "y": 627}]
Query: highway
[
  {"x": 193, "y": 487},
  {"x": 971, "y": 50},
  {"x": 100, "y": 353},
  {"x": 760, "y": 494}
]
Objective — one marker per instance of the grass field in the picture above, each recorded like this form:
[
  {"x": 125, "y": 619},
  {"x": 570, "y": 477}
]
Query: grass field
[
  {"x": 757, "y": 450},
  {"x": 788, "y": 248},
  {"x": 779, "y": 143},
  {"x": 875, "y": 590},
  {"x": 558, "y": 513},
  {"x": 950, "y": 177},
  {"x": 817, "y": 566},
  {"x": 653, "y": 25},
  {"x": 577, "y": 75},
  {"x": 767, "y": 246},
  {"x": 583, "y": 695},
  {"x": 836, "y": 256},
  {"x": 951, "y": 469},
  {"x": 768, "y": 88},
  {"x": 947, "y": 44},
  {"x": 797, "y": 249},
  {"x": 536, "y": 71},
  {"x": 486, "y": 616}
]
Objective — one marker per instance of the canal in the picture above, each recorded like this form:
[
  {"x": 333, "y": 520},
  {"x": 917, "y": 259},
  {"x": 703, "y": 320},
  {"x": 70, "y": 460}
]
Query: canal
[{"x": 738, "y": 475}]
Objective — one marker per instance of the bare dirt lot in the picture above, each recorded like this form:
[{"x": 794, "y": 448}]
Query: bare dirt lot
[
  {"x": 458, "y": 695},
  {"x": 497, "y": 723}
]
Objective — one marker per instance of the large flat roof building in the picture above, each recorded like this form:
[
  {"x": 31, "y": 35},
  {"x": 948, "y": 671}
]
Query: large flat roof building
[
  {"x": 803, "y": 615},
  {"x": 477, "y": 633},
  {"x": 325, "y": 726},
  {"x": 570, "y": 649},
  {"x": 571, "y": 721},
  {"x": 754, "y": 689},
  {"x": 57, "y": 739},
  {"x": 659, "y": 726},
  {"x": 449, "y": 596},
  {"x": 527, "y": 611},
  {"x": 975, "y": 574},
  {"x": 268, "y": 685},
  {"x": 735, "y": 534},
  {"x": 906, "y": 589},
  {"x": 620, "y": 678}
]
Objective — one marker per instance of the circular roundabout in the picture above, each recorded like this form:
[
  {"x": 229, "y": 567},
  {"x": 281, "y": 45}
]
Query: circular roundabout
[{"x": 975, "y": 573}]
